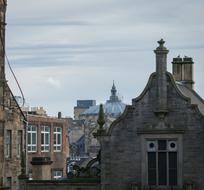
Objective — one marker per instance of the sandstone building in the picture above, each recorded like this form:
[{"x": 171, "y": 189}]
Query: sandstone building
[
  {"x": 47, "y": 145},
  {"x": 12, "y": 123}
]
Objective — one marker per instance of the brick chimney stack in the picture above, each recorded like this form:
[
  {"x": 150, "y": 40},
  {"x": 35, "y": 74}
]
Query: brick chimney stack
[{"x": 183, "y": 70}]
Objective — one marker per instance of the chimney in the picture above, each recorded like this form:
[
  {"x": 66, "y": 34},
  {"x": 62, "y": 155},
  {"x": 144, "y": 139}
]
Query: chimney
[
  {"x": 41, "y": 167},
  {"x": 161, "y": 69},
  {"x": 59, "y": 115},
  {"x": 183, "y": 70}
]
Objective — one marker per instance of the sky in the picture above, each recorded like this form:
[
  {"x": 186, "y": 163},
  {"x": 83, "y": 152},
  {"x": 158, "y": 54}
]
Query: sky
[{"x": 65, "y": 50}]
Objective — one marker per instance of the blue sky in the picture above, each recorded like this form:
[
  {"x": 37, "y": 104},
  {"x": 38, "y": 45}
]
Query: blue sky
[{"x": 64, "y": 50}]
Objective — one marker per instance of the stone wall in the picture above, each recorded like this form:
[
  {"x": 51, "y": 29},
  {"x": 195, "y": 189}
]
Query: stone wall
[{"x": 85, "y": 184}]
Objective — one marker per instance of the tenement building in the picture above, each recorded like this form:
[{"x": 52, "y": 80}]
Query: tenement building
[
  {"x": 47, "y": 145},
  {"x": 12, "y": 123}
]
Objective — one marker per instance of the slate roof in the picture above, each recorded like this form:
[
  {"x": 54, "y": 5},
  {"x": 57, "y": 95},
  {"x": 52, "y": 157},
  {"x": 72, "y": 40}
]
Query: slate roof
[{"x": 190, "y": 93}]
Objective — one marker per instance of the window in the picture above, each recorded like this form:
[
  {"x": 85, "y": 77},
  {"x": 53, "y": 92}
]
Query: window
[
  {"x": 19, "y": 143},
  {"x": 57, "y": 174},
  {"x": 9, "y": 182},
  {"x": 8, "y": 143},
  {"x": 32, "y": 138},
  {"x": 45, "y": 138},
  {"x": 162, "y": 162},
  {"x": 57, "y": 139}
]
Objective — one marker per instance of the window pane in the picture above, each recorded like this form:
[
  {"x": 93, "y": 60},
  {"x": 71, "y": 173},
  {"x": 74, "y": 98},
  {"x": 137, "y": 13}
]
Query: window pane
[
  {"x": 33, "y": 128},
  {"x": 47, "y": 129},
  {"x": 29, "y": 138},
  {"x": 46, "y": 147},
  {"x": 152, "y": 168},
  {"x": 34, "y": 148},
  {"x": 47, "y": 138},
  {"x": 162, "y": 168},
  {"x": 59, "y": 139},
  {"x": 42, "y": 139},
  {"x": 172, "y": 168},
  {"x": 162, "y": 144},
  {"x": 33, "y": 138},
  {"x": 55, "y": 138},
  {"x": 8, "y": 143}
]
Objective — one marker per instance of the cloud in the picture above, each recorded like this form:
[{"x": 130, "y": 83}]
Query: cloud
[
  {"x": 74, "y": 49},
  {"x": 53, "y": 82}
]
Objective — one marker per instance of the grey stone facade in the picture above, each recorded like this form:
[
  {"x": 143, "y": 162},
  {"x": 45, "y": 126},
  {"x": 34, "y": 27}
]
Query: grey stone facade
[{"x": 161, "y": 112}]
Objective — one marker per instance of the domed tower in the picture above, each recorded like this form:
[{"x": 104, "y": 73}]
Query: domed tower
[{"x": 113, "y": 97}]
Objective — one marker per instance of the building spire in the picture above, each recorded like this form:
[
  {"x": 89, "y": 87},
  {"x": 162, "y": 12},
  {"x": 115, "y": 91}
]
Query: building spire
[
  {"x": 113, "y": 97},
  {"x": 113, "y": 90}
]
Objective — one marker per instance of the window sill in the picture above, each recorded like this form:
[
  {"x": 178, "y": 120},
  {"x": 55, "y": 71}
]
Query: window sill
[{"x": 163, "y": 187}]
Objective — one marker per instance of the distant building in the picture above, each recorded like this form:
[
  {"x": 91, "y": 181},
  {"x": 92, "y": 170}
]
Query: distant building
[
  {"x": 82, "y": 105},
  {"x": 47, "y": 140},
  {"x": 34, "y": 110},
  {"x": 77, "y": 153},
  {"x": 12, "y": 123},
  {"x": 113, "y": 108}
]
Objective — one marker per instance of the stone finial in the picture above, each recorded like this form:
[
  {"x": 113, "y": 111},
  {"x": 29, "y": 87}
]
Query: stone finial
[
  {"x": 101, "y": 117},
  {"x": 101, "y": 121},
  {"x": 161, "y": 46},
  {"x": 161, "y": 42}
]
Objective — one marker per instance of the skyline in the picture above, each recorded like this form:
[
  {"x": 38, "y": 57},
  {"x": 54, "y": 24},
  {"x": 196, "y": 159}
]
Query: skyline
[{"x": 62, "y": 50}]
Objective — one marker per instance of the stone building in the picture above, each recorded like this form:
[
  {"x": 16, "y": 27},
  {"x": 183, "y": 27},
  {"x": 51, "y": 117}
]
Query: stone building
[
  {"x": 12, "y": 123},
  {"x": 158, "y": 142},
  {"x": 47, "y": 145}
]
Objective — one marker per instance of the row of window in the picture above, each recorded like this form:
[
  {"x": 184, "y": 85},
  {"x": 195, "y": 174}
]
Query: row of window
[
  {"x": 45, "y": 139},
  {"x": 162, "y": 158},
  {"x": 8, "y": 144},
  {"x": 56, "y": 174}
]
